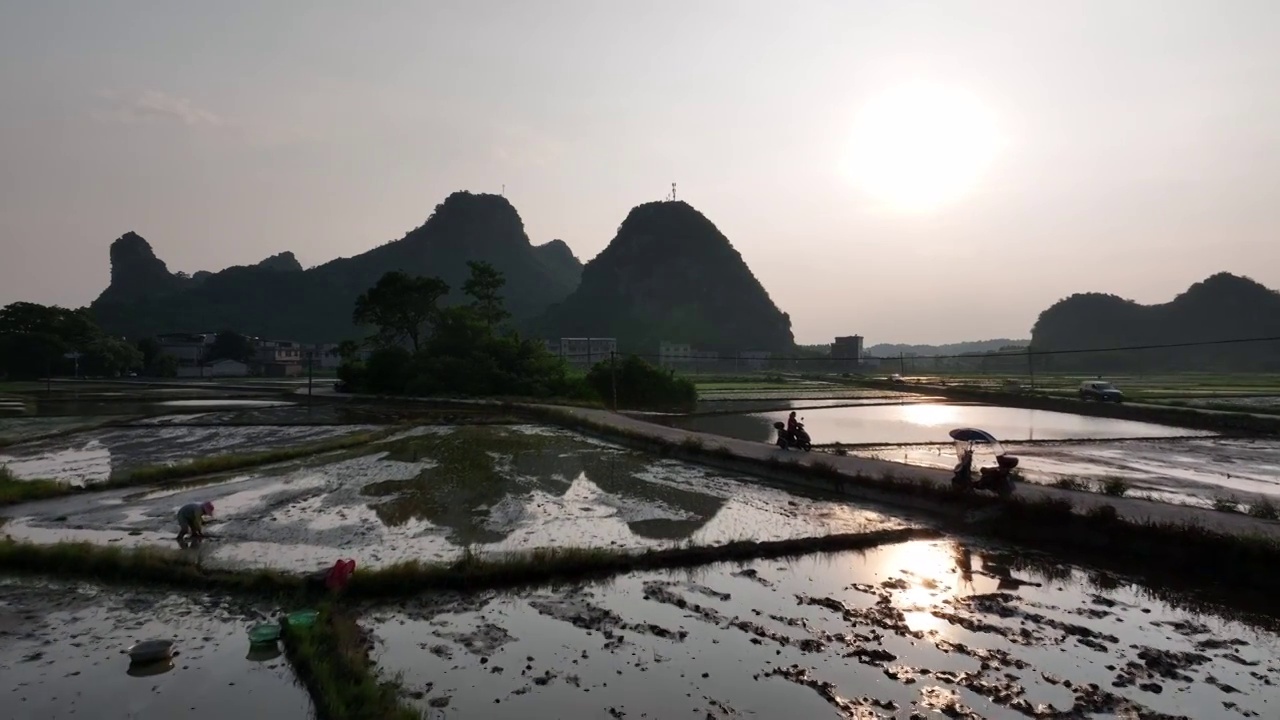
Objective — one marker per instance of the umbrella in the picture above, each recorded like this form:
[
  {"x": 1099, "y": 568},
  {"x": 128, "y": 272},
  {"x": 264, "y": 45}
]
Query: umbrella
[{"x": 973, "y": 435}]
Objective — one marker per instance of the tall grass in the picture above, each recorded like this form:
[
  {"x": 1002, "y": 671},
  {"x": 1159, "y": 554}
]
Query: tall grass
[
  {"x": 332, "y": 661},
  {"x": 13, "y": 490},
  {"x": 470, "y": 571},
  {"x": 138, "y": 566}
]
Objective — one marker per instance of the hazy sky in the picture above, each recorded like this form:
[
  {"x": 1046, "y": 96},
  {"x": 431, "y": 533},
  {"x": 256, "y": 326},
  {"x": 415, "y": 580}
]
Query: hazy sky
[{"x": 1040, "y": 148}]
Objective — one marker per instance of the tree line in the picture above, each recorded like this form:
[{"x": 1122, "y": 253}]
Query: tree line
[{"x": 419, "y": 347}]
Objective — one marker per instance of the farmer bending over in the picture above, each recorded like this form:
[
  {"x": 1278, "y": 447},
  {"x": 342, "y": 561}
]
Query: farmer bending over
[{"x": 191, "y": 519}]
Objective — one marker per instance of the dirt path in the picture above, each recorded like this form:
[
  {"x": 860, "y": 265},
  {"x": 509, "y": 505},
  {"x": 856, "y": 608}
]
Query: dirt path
[{"x": 1132, "y": 509}]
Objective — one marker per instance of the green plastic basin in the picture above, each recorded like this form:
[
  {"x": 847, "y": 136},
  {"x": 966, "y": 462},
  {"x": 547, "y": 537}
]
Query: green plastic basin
[
  {"x": 264, "y": 633},
  {"x": 303, "y": 618}
]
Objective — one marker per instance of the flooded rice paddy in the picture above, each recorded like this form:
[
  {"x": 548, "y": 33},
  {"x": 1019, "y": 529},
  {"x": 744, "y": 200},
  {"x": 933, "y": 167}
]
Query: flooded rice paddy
[
  {"x": 96, "y": 455},
  {"x": 436, "y": 490},
  {"x": 802, "y": 391},
  {"x": 930, "y": 422},
  {"x": 1192, "y": 471},
  {"x": 920, "y": 630},
  {"x": 62, "y": 655}
]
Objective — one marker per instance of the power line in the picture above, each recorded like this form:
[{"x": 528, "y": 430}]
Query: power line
[
  {"x": 981, "y": 355},
  {"x": 1163, "y": 346}
]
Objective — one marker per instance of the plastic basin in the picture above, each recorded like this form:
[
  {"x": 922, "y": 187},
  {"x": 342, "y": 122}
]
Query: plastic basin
[
  {"x": 264, "y": 633},
  {"x": 303, "y": 618},
  {"x": 151, "y": 651}
]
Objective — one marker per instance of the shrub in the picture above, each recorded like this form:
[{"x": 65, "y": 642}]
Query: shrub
[
  {"x": 1264, "y": 509},
  {"x": 1115, "y": 487},
  {"x": 641, "y": 386},
  {"x": 1072, "y": 484},
  {"x": 1226, "y": 504}
]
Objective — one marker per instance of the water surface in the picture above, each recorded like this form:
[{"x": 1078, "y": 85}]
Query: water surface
[
  {"x": 930, "y": 422},
  {"x": 97, "y": 455},
  {"x": 934, "y": 627},
  {"x": 62, "y": 654},
  {"x": 431, "y": 492}
]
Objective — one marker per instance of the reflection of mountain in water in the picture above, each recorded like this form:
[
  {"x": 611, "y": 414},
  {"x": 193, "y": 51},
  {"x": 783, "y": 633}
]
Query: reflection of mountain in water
[
  {"x": 481, "y": 468},
  {"x": 756, "y": 428}
]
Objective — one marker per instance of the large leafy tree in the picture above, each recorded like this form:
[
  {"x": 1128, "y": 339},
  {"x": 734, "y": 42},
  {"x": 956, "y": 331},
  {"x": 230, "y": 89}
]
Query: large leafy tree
[
  {"x": 400, "y": 308},
  {"x": 106, "y": 355},
  {"x": 485, "y": 289},
  {"x": 231, "y": 345},
  {"x": 35, "y": 338}
]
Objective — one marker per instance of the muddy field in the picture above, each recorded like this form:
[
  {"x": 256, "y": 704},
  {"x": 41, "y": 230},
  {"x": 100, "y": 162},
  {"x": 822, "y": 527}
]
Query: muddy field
[
  {"x": 435, "y": 490},
  {"x": 62, "y": 655},
  {"x": 917, "y": 630},
  {"x": 97, "y": 455},
  {"x": 1192, "y": 471}
]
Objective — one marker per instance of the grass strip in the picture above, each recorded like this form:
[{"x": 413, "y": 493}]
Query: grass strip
[
  {"x": 13, "y": 490},
  {"x": 240, "y": 461},
  {"x": 541, "y": 566},
  {"x": 138, "y": 566},
  {"x": 470, "y": 572},
  {"x": 331, "y": 658}
]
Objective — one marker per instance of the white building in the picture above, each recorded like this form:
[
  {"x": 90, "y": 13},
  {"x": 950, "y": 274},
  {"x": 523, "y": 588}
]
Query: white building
[
  {"x": 584, "y": 352},
  {"x": 674, "y": 354},
  {"x": 754, "y": 359}
]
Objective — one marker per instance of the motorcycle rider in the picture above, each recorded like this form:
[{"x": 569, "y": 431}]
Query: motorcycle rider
[{"x": 792, "y": 426}]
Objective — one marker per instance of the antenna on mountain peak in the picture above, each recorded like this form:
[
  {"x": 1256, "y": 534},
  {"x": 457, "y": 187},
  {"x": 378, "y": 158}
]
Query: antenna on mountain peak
[
  {"x": 504, "y": 189},
  {"x": 673, "y": 192}
]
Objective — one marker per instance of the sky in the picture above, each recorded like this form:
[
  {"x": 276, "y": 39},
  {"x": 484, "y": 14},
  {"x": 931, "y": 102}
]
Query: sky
[{"x": 910, "y": 171}]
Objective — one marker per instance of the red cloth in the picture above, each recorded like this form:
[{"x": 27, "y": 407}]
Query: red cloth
[{"x": 340, "y": 574}]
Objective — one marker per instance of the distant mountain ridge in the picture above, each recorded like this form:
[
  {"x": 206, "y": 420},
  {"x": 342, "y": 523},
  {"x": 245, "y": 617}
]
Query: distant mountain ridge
[
  {"x": 1221, "y": 307},
  {"x": 887, "y": 350},
  {"x": 670, "y": 275},
  {"x": 278, "y": 298}
]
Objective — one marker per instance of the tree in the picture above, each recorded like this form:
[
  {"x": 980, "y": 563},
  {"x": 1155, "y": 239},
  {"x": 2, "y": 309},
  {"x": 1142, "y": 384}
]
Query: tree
[
  {"x": 110, "y": 356},
  {"x": 400, "y": 308},
  {"x": 34, "y": 337},
  {"x": 150, "y": 349},
  {"x": 30, "y": 355},
  {"x": 484, "y": 286},
  {"x": 231, "y": 345},
  {"x": 349, "y": 351},
  {"x": 73, "y": 327}
]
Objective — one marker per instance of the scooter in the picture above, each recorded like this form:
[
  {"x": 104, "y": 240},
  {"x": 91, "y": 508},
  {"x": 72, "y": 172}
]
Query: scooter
[
  {"x": 798, "y": 440},
  {"x": 998, "y": 479}
]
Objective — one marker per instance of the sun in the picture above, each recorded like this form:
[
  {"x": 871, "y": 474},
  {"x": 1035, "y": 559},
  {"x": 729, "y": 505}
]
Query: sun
[{"x": 920, "y": 147}]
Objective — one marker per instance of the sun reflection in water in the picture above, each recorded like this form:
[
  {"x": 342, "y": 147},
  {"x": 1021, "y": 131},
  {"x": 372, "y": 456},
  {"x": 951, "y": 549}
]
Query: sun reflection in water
[
  {"x": 930, "y": 415},
  {"x": 926, "y": 577}
]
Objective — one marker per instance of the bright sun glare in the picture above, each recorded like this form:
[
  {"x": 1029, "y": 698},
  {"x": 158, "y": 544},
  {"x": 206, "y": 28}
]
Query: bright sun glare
[{"x": 921, "y": 147}]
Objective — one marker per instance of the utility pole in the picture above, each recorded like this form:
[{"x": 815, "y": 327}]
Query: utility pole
[
  {"x": 613, "y": 376},
  {"x": 310, "y": 376},
  {"x": 1031, "y": 368}
]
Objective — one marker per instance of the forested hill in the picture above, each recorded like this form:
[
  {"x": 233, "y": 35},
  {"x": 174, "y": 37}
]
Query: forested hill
[
  {"x": 670, "y": 274},
  {"x": 277, "y": 298},
  {"x": 1222, "y": 307}
]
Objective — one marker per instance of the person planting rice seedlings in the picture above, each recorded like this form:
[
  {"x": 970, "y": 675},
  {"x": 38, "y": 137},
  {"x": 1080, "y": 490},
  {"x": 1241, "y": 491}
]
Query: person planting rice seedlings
[{"x": 191, "y": 520}]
